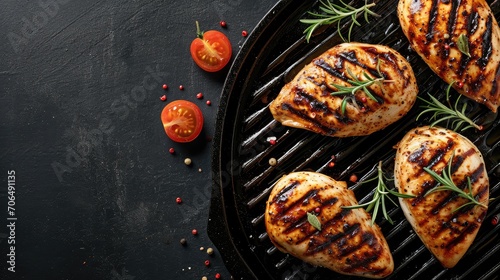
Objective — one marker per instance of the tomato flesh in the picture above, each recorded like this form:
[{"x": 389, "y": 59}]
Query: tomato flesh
[
  {"x": 212, "y": 52},
  {"x": 182, "y": 120}
]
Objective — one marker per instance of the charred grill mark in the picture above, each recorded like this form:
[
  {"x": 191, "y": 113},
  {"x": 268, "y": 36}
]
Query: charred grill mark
[
  {"x": 452, "y": 19},
  {"x": 357, "y": 263},
  {"x": 351, "y": 57},
  {"x": 366, "y": 238},
  {"x": 321, "y": 63},
  {"x": 439, "y": 153},
  {"x": 324, "y": 129},
  {"x": 284, "y": 193},
  {"x": 302, "y": 223},
  {"x": 433, "y": 15},
  {"x": 316, "y": 245},
  {"x": 312, "y": 248},
  {"x": 293, "y": 220},
  {"x": 470, "y": 228},
  {"x": 459, "y": 159},
  {"x": 474, "y": 177},
  {"x": 486, "y": 48},
  {"x": 472, "y": 22},
  {"x": 464, "y": 61},
  {"x": 417, "y": 156},
  {"x": 374, "y": 72},
  {"x": 302, "y": 97}
]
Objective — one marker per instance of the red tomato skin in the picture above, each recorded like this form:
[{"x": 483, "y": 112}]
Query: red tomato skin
[
  {"x": 180, "y": 109},
  {"x": 214, "y": 39}
]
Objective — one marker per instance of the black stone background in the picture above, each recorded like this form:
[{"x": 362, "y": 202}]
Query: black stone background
[{"x": 95, "y": 185}]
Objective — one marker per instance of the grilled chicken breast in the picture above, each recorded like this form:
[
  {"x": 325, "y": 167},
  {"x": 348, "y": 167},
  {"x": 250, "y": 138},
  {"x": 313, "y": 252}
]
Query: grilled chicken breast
[
  {"x": 445, "y": 232},
  {"x": 346, "y": 243},
  {"x": 306, "y": 102},
  {"x": 434, "y": 27}
]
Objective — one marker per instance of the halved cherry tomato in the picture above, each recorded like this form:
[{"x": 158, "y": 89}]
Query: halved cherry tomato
[
  {"x": 182, "y": 120},
  {"x": 211, "y": 50}
]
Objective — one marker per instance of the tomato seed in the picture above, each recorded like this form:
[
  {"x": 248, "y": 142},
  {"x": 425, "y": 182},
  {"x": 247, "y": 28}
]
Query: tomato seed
[
  {"x": 223, "y": 23},
  {"x": 244, "y": 33},
  {"x": 165, "y": 86},
  {"x": 199, "y": 95},
  {"x": 178, "y": 200},
  {"x": 163, "y": 98}
]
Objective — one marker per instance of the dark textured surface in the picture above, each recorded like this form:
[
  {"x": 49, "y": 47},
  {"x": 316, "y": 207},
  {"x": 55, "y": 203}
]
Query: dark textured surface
[{"x": 80, "y": 83}]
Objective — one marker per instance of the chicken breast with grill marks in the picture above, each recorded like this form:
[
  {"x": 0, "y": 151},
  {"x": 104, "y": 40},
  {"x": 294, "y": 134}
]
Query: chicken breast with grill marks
[
  {"x": 345, "y": 242},
  {"x": 447, "y": 233},
  {"x": 434, "y": 29},
  {"x": 307, "y": 101}
]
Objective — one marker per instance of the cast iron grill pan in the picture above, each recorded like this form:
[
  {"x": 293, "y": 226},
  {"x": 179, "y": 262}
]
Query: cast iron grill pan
[{"x": 242, "y": 177}]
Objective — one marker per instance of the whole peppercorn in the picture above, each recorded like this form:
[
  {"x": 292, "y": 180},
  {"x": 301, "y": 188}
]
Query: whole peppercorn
[
  {"x": 210, "y": 251},
  {"x": 223, "y": 24},
  {"x": 353, "y": 178},
  {"x": 194, "y": 232},
  {"x": 183, "y": 241}
]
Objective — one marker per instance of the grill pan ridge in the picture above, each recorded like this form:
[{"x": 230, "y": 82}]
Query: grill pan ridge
[{"x": 242, "y": 178}]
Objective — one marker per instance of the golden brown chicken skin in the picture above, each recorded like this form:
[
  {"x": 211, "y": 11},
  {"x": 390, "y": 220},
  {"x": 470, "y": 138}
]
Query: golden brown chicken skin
[
  {"x": 346, "y": 242},
  {"x": 434, "y": 29},
  {"x": 307, "y": 101},
  {"x": 445, "y": 232}
]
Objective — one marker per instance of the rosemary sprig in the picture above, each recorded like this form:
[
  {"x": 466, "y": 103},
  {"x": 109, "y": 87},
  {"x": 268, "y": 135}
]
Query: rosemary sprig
[
  {"x": 447, "y": 184},
  {"x": 356, "y": 85},
  {"x": 442, "y": 113},
  {"x": 381, "y": 193},
  {"x": 333, "y": 13}
]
